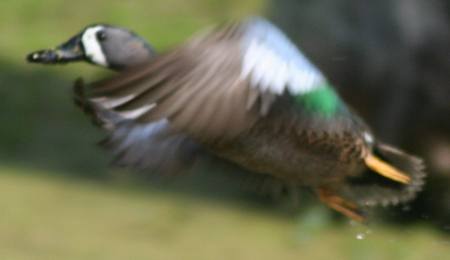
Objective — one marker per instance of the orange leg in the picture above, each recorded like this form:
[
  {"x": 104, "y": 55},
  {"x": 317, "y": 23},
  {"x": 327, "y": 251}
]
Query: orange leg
[{"x": 337, "y": 203}]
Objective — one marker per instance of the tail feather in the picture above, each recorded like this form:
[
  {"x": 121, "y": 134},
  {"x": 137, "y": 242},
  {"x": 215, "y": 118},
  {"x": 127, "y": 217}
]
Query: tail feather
[{"x": 373, "y": 189}]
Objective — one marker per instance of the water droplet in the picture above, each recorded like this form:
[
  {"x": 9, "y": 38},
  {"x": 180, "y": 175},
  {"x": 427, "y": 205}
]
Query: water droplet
[{"x": 360, "y": 236}]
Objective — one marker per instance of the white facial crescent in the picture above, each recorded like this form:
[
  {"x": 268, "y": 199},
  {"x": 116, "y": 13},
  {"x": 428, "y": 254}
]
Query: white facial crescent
[{"x": 92, "y": 47}]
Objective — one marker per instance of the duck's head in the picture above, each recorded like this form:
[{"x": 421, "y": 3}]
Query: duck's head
[{"x": 100, "y": 44}]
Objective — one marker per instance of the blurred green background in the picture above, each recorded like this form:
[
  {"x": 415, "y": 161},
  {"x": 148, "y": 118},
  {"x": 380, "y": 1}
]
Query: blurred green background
[{"x": 60, "y": 200}]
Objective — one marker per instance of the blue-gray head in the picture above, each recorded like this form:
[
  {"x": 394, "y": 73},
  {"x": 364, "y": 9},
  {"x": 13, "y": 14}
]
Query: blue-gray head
[{"x": 104, "y": 45}]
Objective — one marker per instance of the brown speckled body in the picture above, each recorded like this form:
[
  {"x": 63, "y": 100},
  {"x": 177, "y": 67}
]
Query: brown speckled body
[{"x": 285, "y": 146}]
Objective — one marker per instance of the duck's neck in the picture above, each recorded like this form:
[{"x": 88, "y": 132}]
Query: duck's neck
[{"x": 138, "y": 56}]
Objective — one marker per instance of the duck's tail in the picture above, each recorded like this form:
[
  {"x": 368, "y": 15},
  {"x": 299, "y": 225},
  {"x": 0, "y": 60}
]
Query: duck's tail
[{"x": 392, "y": 177}]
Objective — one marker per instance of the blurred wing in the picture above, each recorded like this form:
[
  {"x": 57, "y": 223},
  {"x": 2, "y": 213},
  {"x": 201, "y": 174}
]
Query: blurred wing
[
  {"x": 141, "y": 146},
  {"x": 215, "y": 86},
  {"x": 196, "y": 87}
]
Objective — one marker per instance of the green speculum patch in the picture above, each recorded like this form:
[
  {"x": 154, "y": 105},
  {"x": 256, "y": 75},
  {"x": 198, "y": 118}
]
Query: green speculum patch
[{"x": 323, "y": 100}]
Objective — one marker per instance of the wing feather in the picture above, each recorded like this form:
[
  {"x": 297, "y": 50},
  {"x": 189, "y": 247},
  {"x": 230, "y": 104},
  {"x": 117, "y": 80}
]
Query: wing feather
[{"x": 196, "y": 93}]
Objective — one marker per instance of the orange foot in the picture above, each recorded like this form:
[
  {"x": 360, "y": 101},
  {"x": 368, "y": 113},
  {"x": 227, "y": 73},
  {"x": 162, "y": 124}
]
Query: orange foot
[
  {"x": 383, "y": 168},
  {"x": 337, "y": 203}
]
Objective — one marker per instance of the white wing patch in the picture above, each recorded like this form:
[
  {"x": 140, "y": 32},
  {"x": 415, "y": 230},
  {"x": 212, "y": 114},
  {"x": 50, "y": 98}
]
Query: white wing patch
[
  {"x": 273, "y": 63},
  {"x": 92, "y": 47}
]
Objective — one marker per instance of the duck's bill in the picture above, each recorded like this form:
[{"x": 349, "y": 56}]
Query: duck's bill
[
  {"x": 69, "y": 51},
  {"x": 43, "y": 56}
]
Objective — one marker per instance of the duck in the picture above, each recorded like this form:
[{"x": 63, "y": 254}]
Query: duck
[{"x": 245, "y": 93}]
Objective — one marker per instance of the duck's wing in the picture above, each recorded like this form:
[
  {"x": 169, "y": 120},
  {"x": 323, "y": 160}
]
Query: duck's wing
[
  {"x": 140, "y": 146},
  {"x": 216, "y": 85}
]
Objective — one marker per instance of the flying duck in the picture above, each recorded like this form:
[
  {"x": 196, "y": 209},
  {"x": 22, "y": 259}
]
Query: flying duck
[{"x": 245, "y": 93}]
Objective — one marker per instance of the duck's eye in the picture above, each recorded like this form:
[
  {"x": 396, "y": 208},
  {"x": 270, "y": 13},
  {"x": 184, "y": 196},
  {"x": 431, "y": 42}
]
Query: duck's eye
[{"x": 101, "y": 36}]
